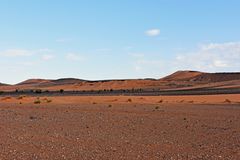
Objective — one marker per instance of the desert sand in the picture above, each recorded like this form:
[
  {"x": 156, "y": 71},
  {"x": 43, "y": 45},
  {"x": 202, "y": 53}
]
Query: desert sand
[{"x": 120, "y": 127}]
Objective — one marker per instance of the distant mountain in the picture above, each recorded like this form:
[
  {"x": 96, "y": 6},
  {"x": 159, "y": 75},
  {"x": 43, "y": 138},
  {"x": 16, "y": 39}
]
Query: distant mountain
[
  {"x": 2, "y": 84},
  {"x": 182, "y": 75},
  {"x": 202, "y": 77},
  {"x": 64, "y": 81},
  {"x": 217, "y": 77},
  {"x": 177, "y": 80},
  {"x": 34, "y": 82}
]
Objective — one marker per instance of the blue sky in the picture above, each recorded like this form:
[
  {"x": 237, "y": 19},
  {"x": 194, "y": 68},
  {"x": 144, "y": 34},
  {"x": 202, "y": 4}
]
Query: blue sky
[{"x": 93, "y": 39}]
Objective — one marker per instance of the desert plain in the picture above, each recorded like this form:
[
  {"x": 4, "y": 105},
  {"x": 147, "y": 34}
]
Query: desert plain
[{"x": 120, "y": 127}]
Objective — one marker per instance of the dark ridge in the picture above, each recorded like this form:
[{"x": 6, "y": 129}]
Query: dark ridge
[
  {"x": 202, "y": 77},
  {"x": 217, "y": 77},
  {"x": 64, "y": 81},
  {"x": 118, "y": 80},
  {"x": 150, "y": 79},
  {"x": 3, "y": 84},
  {"x": 198, "y": 91}
]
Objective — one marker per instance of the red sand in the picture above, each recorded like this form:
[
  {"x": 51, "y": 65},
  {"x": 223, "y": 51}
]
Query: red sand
[
  {"x": 198, "y": 99},
  {"x": 166, "y": 127}
]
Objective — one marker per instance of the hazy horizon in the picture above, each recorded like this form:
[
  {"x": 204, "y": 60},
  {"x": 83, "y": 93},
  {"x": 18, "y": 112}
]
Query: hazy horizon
[{"x": 98, "y": 40}]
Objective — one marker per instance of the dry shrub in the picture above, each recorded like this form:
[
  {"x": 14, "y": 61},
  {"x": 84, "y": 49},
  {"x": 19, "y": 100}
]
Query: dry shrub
[
  {"x": 47, "y": 100},
  {"x": 37, "y": 101},
  {"x": 227, "y": 101},
  {"x": 20, "y": 97},
  {"x": 114, "y": 100},
  {"x": 161, "y": 101},
  {"x": 6, "y": 98},
  {"x": 129, "y": 100}
]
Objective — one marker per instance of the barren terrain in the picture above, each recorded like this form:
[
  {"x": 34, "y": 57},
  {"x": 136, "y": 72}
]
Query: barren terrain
[{"x": 120, "y": 127}]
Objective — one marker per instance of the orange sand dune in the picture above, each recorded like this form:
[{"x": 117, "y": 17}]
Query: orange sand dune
[
  {"x": 182, "y": 75},
  {"x": 177, "y": 80}
]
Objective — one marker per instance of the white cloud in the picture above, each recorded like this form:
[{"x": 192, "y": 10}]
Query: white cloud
[
  {"x": 219, "y": 63},
  {"x": 74, "y": 57},
  {"x": 152, "y": 32},
  {"x": 137, "y": 68},
  {"x": 16, "y": 53},
  {"x": 47, "y": 57},
  {"x": 213, "y": 57},
  {"x": 23, "y": 52},
  {"x": 27, "y": 64},
  {"x": 43, "y": 50}
]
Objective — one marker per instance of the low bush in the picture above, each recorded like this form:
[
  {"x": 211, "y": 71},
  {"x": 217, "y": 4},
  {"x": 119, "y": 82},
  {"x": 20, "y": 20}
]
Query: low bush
[
  {"x": 38, "y": 91},
  {"x": 37, "y": 101},
  {"x": 129, "y": 100},
  {"x": 227, "y": 101},
  {"x": 6, "y": 98}
]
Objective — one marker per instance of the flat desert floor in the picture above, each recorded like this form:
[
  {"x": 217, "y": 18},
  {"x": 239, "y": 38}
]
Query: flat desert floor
[{"x": 120, "y": 127}]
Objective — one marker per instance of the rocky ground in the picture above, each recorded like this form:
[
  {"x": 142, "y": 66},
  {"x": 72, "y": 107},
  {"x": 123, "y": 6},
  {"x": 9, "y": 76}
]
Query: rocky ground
[{"x": 110, "y": 130}]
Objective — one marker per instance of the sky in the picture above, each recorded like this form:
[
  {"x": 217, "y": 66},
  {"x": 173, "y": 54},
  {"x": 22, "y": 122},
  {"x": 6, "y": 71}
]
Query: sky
[{"x": 116, "y": 39}]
